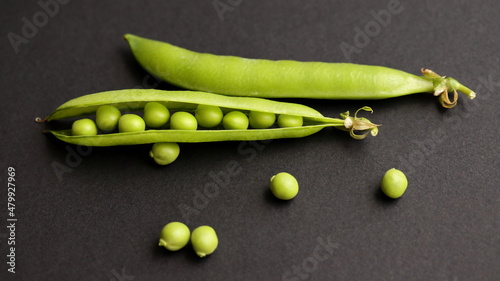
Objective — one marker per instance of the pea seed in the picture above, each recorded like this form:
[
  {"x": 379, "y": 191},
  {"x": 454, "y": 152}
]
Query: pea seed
[
  {"x": 174, "y": 236},
  {"x": 164, "y": 153},
  {"x": 235, "y": 120},
  {"x": 261, "y": 120},
  {"x": 107, "y": 117},
  {"x": 208, "y": 116},
  {"x": 131, "y": 123},
  {"x": 183, "y": 121},
  {"x": 288, "y": 121},
  {"x": 156, "y": 114},
  {"x": 84, "y": 127},
  {"x": 204, "y": 240},
  {"x": 284, "y": 186},
  {"x": 394, "y": 183}
]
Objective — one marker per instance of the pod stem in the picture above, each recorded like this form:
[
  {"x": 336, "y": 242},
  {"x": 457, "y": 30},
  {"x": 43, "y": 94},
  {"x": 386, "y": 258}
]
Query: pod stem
[
  {"x": 355, "y": 123},
  {"x": 40, "y": 120},
  {"x": 444, "y": 85}
]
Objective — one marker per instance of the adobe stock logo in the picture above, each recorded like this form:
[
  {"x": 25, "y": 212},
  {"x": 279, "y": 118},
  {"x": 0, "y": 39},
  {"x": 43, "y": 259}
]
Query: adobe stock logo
[
  {"x": 363, "y": 37},
  {"x": 30, "y": 28}
]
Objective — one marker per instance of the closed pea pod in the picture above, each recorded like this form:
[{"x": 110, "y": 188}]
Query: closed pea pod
[
  {"x": 181, "y": 101},
  {"x": 230, "y": 75}
]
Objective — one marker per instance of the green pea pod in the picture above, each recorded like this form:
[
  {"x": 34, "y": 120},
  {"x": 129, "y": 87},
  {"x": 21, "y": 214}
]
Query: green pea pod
[
  {"x": 230, "y": 75},
  {"x": 136, "y": 99}
]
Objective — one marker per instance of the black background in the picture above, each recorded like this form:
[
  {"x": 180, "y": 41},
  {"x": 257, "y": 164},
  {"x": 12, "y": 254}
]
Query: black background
[{"x": 101, "y": 219}]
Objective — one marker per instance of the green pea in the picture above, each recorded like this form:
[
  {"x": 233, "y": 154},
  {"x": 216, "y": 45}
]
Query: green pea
[
  {"x": 183, "y": 121},
  {"x": 261, "y": 120},
  {"x": 107, "y": 117},
  {"x": 230, "y": 75},
  {"x": 208, "y": 116},
  {"x": 84, "y": 127},
  {"x": 235, "y": 120},
  {"x": 174, "y": 236},
  {"x": 289, "y": 121},
  {"x": 284, "y": 186},
  {"x": 131, "y": 123},
  {"x": 204, "y": 240},
  {"x": 156, "y": 114},
  {"x": 394, "y": 183},
  {"x": 164, "y": 153}
]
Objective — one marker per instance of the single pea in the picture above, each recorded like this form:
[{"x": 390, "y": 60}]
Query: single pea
[
  {"x": 208, "y": 116},
  {"x": 394, "y": 183},
  {"x": 156, "y": 114},
  {"x": 287, "y": 121},
  {"x": 183, "y": 121},
  {"x": 164, "y": 153},
  {"x": 235, "y": 120},
  {"x": 107, "y": 117},
  {"x": 261, "y": 120},
  {"x": 284, "y": 186},
  {"x": 204, "y": 240},
  {"x": 84, "y": 127},
  {"x": 131, "y": 123},
  {"x": 174, "y": 236}
]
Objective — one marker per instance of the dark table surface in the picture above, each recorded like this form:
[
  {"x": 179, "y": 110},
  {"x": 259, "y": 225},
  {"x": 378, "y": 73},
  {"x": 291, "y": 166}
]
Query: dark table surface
[{"x": 95, "y": 213}]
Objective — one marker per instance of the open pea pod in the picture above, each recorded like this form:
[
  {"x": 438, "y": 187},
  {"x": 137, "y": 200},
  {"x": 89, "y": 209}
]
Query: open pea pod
[{"x": 136, "y": 99}]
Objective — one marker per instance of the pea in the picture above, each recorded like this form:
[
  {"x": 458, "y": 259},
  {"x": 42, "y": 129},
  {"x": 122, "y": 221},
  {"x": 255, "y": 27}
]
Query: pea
[
  {"x": 188, "y": 100},
  {"x": 289, "y": 121},
  {"x": 131, "y": 123},
  {"x": 230, "y": 75},
  {"x": 208, "y": 116},
  {"x": 84, "y": 127},
  {"x": 174, "y": 236},
  {"x": 183, "y": 121},
  {"x": 204, "y": 240},
  {"x": 261, "y": 120},
  {"x": 284, "y": 186},
  {"x": 107, "y": 117},
  {"x": 235, "y": 120},
  {"x": 164, "y": 153},
  {"x": 394, "y": 183},
  {"x": 156, "y": 114}
]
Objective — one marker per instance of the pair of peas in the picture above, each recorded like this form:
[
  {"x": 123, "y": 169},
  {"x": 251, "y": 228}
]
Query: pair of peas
[
  {"x": 394, "y": 183},
  {"x": 175, "y": 235}
]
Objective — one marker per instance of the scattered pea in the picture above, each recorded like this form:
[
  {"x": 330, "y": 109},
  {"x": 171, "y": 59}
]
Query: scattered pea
[
  {"x": 164, "y": 153},
  {"x": 204, "y": 240},
  {"x": 174, "y": 236},
  {"x": 394, "y": 183},
  {"x": 235, "y": 120},
  {"x": 156, "y": 114},
  {"x": 261, "y": 120},
  {"x": 208, "y": 116},
  {"x": 107, "y": 117},
  {"x": 84, "y": 127},
  {"x": 284, "y": 186},
  {"x": 288, "y": 121},
  {"x": 131, "y": 123},
  {"x": 183, "y": 121}
]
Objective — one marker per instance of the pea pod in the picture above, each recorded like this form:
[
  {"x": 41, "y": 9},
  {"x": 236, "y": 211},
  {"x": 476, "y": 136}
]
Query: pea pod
[
  {"x": 136, "y": 99},
  {"x": 230, "y": 75}
]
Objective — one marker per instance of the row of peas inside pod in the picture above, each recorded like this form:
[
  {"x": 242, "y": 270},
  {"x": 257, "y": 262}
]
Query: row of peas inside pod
[
  {"x": 157, "y": 116},
  {"x": 108, "y": 119}
]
